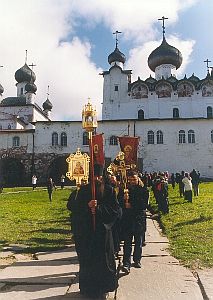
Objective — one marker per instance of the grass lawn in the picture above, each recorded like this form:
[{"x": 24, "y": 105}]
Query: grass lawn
[
  {"x": 189, "y": 227},
  {"x": 29, "y": 218}
]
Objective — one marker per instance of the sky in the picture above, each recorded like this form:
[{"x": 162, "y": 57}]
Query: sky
[{"x": 69, "y": 42}]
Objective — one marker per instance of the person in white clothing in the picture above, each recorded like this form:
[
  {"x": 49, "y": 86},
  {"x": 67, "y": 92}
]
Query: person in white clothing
[
  {"x": 34, "y": 181},
  {"x": 187, "y": 181}
]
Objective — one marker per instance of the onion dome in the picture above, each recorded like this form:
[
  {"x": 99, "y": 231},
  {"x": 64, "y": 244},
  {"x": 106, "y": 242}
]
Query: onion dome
[
  {"x": 1, "y": 89},
  {"x": 194, "y": 78},
  {"x": 47, "y": 105},
  {"x": 165, "y": 54},
  {"x": 25, "y": 74},
  {"x": 116, "y": 55},
  {"x": 30, "y": 88}
]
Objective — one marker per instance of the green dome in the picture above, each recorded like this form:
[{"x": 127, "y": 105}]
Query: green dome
[
  {"x": 25, "y": 74},
  {"x": 116, "y": 55},
  {"x": 47, "y": 105}
]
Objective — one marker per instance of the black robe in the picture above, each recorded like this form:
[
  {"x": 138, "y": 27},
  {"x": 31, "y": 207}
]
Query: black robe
[{"x": 95, "y": 249}]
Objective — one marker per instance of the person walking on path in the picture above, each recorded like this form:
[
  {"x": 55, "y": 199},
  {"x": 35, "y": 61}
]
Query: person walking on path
[
  {"x": 50, "y": 187},
  {"x": 34, "y": 181},
  {"x": 97, "y": 272},
  {"x": 187, "y": 181},
  {"x": 133, "y": 221}
]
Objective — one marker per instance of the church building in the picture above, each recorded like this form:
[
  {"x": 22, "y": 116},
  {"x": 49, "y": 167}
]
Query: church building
[{"x": 173, "y": 118}]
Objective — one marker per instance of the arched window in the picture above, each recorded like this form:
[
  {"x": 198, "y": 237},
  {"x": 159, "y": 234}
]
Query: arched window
[
  {"x": 0, "y": 127},
  {"x": 150, "y": 137},
  {"x": 85, "y": 138},
  {"x": 209, "y": 112},
  {"x": 191, "y": 137},
  {"x": 9, "y": 126},
  {"x": 159, "y": 137},
  {"x": 64, "y": 139},
  {"x": 212, "y": 136},
  {"x": 16, "y": 141},
  {"x": 176, "y": 113},
  {"x": 141, "y": 114},
  {"x": 182, "y": 137},
  {"x": 54, "y": 139},
  {"x": 113, "y": 140}
]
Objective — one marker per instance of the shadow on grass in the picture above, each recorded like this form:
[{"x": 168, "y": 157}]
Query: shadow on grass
[
  {"x": 194, "y": 221},
  {"x": 53, "y": 230}
]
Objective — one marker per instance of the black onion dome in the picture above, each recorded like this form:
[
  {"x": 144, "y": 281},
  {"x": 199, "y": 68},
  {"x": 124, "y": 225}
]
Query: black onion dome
[
  {"x": 1, "y": 89},
  {"x": 116, "y": 55},
  {"x": 30, "y": 88},
  {"x": 25, "y": 74},
  {"x": 165, "y": 54},
  {"x": 47, "y": 105}
]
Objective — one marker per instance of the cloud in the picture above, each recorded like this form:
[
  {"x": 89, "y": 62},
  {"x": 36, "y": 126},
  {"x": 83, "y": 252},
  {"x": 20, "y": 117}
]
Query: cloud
[
  {"x": 48, "y": 30},
  {"x": 136, "y": 18},
  {"x": 39, "y": 27}
]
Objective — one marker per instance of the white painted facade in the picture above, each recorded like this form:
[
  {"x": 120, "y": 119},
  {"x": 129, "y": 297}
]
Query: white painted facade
[{"x": 135, "y": 109}]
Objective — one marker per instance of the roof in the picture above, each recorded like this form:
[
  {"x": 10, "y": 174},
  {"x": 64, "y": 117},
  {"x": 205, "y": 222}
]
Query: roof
[{"x": 13, "y": 101}]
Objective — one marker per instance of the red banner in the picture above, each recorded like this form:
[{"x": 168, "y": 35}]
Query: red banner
[
  {"x": 129, "y": 145},
  {"x": 98, "y": 149}
]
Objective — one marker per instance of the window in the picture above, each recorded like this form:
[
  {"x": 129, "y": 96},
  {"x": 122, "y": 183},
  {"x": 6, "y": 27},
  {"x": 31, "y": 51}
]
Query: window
[
  {"x": 150, "y": 137},
  {"x": 0, "y": 127},
  {"x": 212, "y": 136},
  {"x": 64, "y": 139},
  {"x": 116, "y": 88},
  {"x": 54, "y": 139},
  {"x": 191, "y": 137},
  {"x": 85, "y": 138},
  {"x": 182, "y": 137},
  {"x": 9, "y": 126},
  {"x": 159, "y": 137},
  {"x": 175, "y": 113},
  {"x": 16, "y": 141},
  {"x": 113, "y": 140},
  {"x": 141, "y": 114},
  {"x": 209, "y": 112}
]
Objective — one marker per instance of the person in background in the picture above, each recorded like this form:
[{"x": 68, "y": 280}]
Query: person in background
[
  {"x": 187, "y": 181},
  {"x": 161, "y": 193},
  {"x": 34, "y": 181},
  {"x": 62, "y": 181},
  {"x": 195, "y": 181},
  {"x": 173, "y": 180},
  {"x": 50, "y": 187},
  {"x": 179, "y": 178}
]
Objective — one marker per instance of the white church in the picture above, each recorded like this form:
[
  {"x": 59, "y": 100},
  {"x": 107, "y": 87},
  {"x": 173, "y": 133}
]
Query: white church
[{"x": 173, "y": 118}]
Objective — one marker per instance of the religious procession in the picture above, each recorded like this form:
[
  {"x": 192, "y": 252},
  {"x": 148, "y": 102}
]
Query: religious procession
[{"x": 108, "y": 211}]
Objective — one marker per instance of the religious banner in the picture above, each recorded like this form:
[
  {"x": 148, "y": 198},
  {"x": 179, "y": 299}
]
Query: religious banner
[
  {"x": 129, "y": 146},
  {"x": 98, "y": 149}
]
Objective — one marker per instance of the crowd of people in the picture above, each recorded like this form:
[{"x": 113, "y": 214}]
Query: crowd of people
[{"x": 119, "y": 212}]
